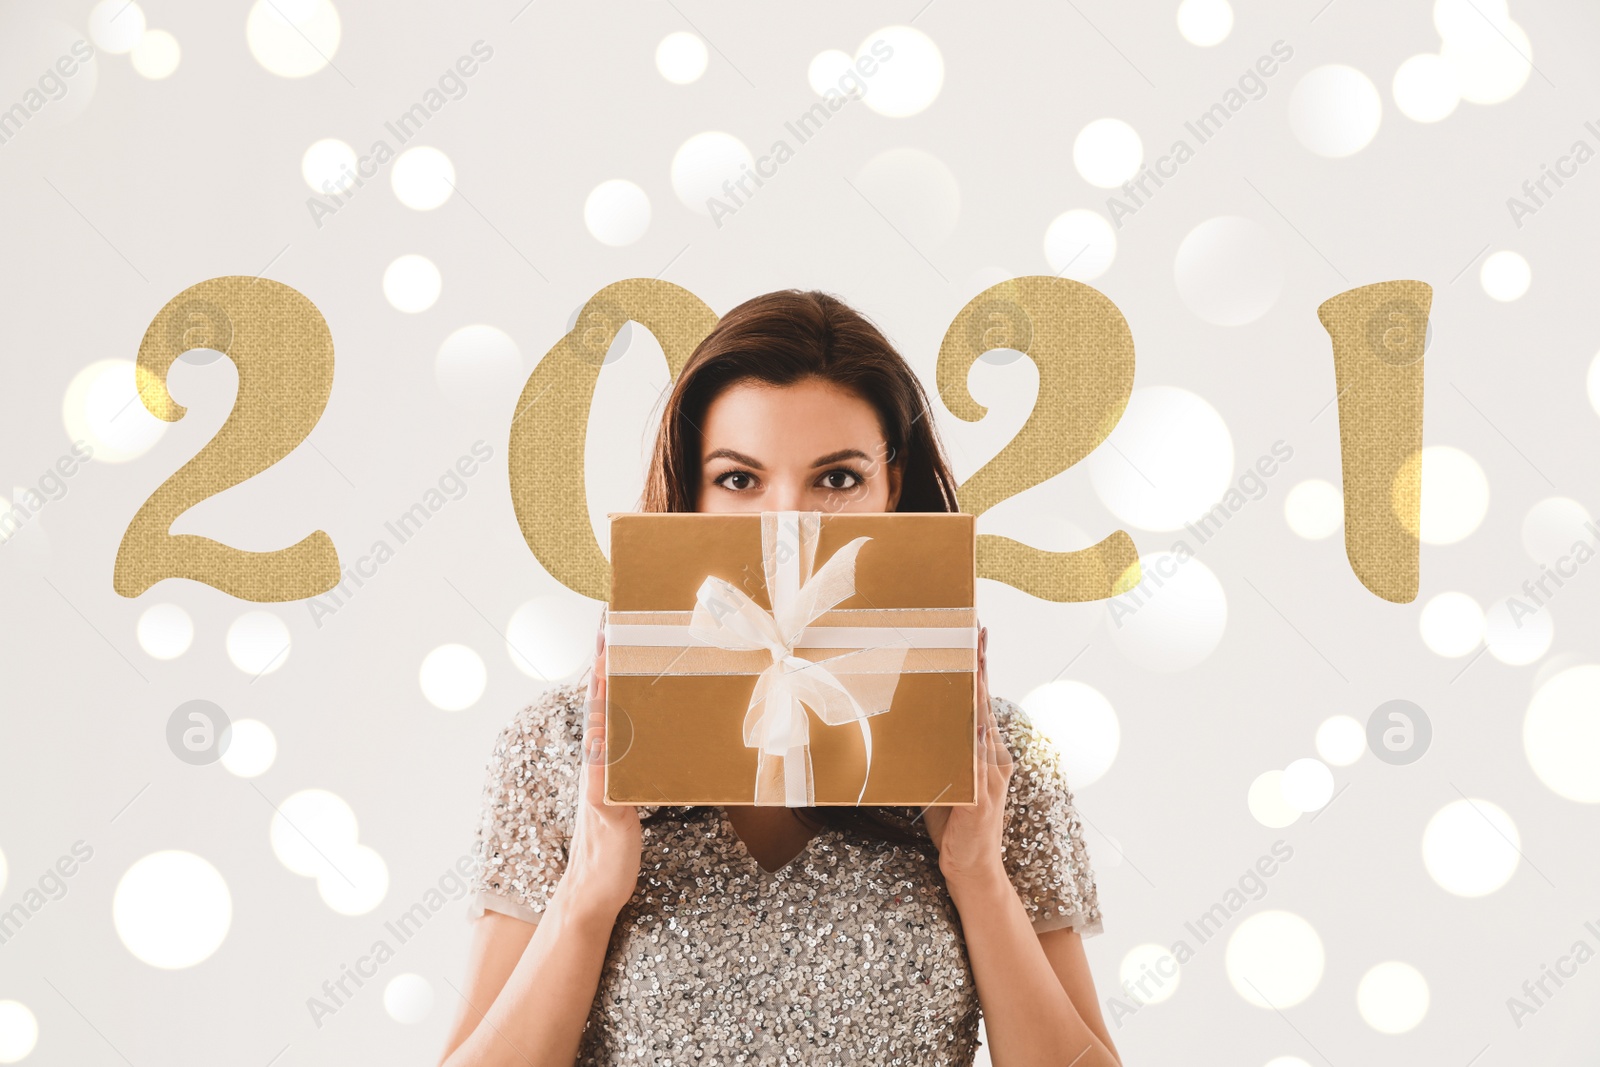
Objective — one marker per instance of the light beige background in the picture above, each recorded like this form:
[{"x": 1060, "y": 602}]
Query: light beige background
[{"x": 129, "y": 189}]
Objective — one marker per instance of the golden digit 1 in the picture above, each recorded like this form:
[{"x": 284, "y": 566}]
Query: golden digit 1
[
  {"x": 1379, "y": 333},
  {"x": 1083, "y": 350},
  {"x": 281, "y": 347},
  {"x": 546, "y": 451}
]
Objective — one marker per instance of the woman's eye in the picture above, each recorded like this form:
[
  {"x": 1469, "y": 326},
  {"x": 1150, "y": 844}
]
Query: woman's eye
[
  {"x": 840, "y": 479},
  {"x": 737, "y": 480}
]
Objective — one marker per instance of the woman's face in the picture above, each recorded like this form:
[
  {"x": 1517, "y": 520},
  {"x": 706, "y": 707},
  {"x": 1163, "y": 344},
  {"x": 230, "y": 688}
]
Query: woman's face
[{"x": 811, "y": 446}]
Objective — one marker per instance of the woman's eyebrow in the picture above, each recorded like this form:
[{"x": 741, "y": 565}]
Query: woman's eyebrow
[
  {"x": 737, "y": 457},
  {"x": 843, "y": 453}
]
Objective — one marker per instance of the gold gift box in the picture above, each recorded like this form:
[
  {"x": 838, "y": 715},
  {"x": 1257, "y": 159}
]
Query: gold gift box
[{"x": 678, "y": 707}]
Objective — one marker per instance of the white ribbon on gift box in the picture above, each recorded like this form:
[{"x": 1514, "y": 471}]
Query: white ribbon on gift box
[{"x": 850, "y": 687}]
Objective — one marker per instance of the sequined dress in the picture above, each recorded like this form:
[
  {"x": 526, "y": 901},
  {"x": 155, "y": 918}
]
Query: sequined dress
[{"x": 850, "y": 953}]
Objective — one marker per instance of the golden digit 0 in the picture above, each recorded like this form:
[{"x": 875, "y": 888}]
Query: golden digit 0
[
  {"x": 1379, "y": 333},
  {"x": 546, "y": 451},
  {"x": 1075, "y": 335},
  {"x": 283, "y": 352},
  {"x": 1083, "y": 349}
]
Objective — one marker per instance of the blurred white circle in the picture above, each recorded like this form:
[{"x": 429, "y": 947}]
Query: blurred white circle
[
  {"x": 1491, "y": 64},
  {"x": 1505, "y": 276},
  {"x": 165, "y": 631},
  {"x": 251, "y": 750},
  {"x": 292, "y": 42},
  {"x": 1341, "y": 739},
  {"x": 1335, "y": 111},
  {"x": 1229, "y": 270},
  {"x": 408, "y": 998},
  {"x": 479, "y": 366},
  {"x": 1468, "y": 18},
  {"x": 1314, "y": 509},
  {"x": 19, "y": 1031},
  {"x": 1173, "y": 619},
  {"x": 103, "y": 409},
  {"x": 915, "y": 191},
  {"x": 681, "y": 57},
  {"x": 1554, "y": 527},
  {"x": 616, "y": 212},
  {"x": 453, "y": 677},
  {"x": 1470, "y": 848},
  {"x": 910, "y": 78},
  {"x": 1149, "y": 974},
  {"x": 115, "y": 26},
  {"x": 704, "y": 164},
  {"x": 412, "y": 284},
  {"x": 172, "y": 909},
  {"x": 1456, "y": 499},
  {"x": 329, "y": 166},
  {"x": 1307, "y": 785},
  {"x": 1425, "y": 88},
  {"x": 1168, "y": 461},
  {"x": 156, "y": 55},
  {"x": 1561, "y": 734},
  {"x": 311, "y": 827},
  {"x": 1266, "y": 801},
  {"x": 1080, "y": 244},
  {"x": 1452, "y": 624},
  {"x": 423, "y": 178},
  {"x": 1392, "y": 997},
  {"x": 1274, "y": 959},
  {"x": 1082, "y": 726},
  {"x": 826, "y": 69},
  {"x": 258, "y": 643},
  {"x": 1518, "y": 631},
  {"x": 552, "y": 636},
  {"x": 357, "y": 884},
  {"x": 1205, "y": 22},
  {"x": 1107, "y": 152}
]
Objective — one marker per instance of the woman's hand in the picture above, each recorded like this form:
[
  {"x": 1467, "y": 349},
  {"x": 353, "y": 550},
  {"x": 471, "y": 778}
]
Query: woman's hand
[
  {"x": 603, "y": 861},
  {"x": 969, "y": 838}
]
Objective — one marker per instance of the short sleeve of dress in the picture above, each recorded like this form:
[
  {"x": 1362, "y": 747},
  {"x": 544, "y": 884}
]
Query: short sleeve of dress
[
  {"x": 1043, "y": 848},
  {"x": 528, "y": 809}
]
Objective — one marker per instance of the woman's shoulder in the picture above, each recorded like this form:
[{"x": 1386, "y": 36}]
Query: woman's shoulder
[
  {"x": 1028, "y": 744},
  {"x": 553, "y": 717}
]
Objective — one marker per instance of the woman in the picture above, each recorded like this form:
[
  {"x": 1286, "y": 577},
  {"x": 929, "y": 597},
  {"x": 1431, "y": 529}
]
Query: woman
[{"x": 614, "y": 934}]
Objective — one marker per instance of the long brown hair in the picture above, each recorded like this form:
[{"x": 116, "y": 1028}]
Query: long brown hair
[{"x": 779, "y": 339}]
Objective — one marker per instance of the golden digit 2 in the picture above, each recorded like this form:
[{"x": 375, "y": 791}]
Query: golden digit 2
[
  {"x": 1379, "y": 333},
  {"x": 1083, "y": 349},
  {"x": 283, "y": 351},
  {"x": 1073, "y": 333}
]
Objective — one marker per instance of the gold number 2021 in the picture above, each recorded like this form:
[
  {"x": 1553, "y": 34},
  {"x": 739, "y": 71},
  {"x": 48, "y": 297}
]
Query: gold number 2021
[{"x": 1077, "y": 338}]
